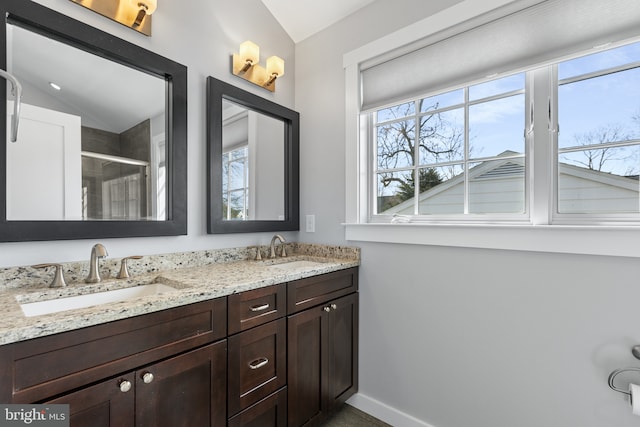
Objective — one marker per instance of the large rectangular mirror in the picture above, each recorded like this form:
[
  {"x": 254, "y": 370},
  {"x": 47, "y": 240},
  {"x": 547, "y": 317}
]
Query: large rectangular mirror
[
  {"x": 101, "y": 148},
  {"x": 253, "y": 147}
]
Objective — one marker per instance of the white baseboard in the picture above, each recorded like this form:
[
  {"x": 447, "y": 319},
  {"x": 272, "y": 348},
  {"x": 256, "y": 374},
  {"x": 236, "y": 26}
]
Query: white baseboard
[{"x": 384, "y": 412}]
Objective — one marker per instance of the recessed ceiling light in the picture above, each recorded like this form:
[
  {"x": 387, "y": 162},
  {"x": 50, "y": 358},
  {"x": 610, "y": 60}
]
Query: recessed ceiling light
[{"x": 55, "y": 86}]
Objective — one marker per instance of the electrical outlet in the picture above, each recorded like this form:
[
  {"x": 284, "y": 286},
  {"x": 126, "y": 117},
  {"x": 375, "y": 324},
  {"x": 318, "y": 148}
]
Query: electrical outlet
[{"x": 311, "y": 224}]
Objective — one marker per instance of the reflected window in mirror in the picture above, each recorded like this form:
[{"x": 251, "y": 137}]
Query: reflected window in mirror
[
  {"x": 253, "y": 166},
  {"x": 101, "y": 149},
  {"x": 235, "y": 184}
]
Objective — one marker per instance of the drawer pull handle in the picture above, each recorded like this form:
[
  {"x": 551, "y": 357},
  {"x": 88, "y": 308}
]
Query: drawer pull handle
[
  {"x": 124, "y": 385},
  {"x": 258, "y": 363},
  {"x": 334, "y": 306},
  {"x": 327, "y": 309},
  {"x": 259, "y": 307},
  {"x": 147, "y": 377}
]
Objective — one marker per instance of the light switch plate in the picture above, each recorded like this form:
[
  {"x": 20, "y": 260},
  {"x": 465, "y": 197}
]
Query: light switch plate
[{"x": 311, "y": 223}]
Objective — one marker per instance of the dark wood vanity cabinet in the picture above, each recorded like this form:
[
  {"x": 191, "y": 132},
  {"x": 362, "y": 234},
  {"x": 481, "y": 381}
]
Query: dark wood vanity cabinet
[
  {"x": 166, "y": 368},
  {"x": 186, "y": 390},
  {"x": 322, "y": 346},
  {"x": 282, "y": 355}
]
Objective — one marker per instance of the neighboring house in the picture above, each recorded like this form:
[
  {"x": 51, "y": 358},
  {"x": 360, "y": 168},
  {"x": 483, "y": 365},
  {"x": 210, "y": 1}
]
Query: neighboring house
[{"x": 498, "y": 186}]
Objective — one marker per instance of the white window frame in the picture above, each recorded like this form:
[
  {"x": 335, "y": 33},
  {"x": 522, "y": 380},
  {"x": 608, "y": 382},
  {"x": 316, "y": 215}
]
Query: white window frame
[
  {"x": 538, "y": 234},
  {"x": 466, "y": 217}
]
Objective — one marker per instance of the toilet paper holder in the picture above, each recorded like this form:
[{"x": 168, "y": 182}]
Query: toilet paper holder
[
  {"x": 635, "y": 350},
  {"x": 613, "y": 375}
]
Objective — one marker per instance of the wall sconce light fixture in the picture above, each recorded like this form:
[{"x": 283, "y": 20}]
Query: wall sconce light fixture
[
  {"x": 135, "y": 14},
  {"x": 145, "y": 7},
  {"x": 245, "y": 65}
]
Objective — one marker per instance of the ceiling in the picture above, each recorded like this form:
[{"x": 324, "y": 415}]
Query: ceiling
[
  {"x": 86, "y": 80},
  {"x": 303, "y": 18}
]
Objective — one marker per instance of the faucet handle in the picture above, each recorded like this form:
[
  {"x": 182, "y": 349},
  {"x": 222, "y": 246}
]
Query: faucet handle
[
  {"x": 284, "y": 252},
  {"x": 258, "y": 254},
  {"x": 124, "y": 272},
  {"x": 58, "y": 277}
]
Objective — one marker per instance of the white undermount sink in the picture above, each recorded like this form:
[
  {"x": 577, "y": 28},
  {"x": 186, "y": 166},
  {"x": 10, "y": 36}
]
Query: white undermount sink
[
  {"x": 81, "y": 301},
  {"x": 294, "y": 265}
]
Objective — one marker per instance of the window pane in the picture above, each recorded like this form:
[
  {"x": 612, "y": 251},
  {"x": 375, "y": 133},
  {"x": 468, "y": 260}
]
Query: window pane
[
  {"x": 443, "y": 190},
  {"x": 396, "y": 112},
  {"x": 237, "y": 203},
  {"x": 396, "y": 145},
  {"x": 236, "y": 175},
  {"x": 497, "y": 87},
  {"x": 225, "y": 205},
  {"x": 497, "y": 127},
  {"x": 599, "y": 110},
  {"x": 497, "y": 186},
  {"x": 443, "y": 100},
  {"x": 600, "y": 180},
  {"x": 395, "y": 193},
  {"x": 442, "y": 137},
  {"x": 599, "y": 61}
]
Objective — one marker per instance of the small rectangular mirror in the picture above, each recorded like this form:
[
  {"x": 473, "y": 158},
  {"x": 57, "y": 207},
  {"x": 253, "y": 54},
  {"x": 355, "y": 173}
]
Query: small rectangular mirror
[{"x": 253, "y": 168}]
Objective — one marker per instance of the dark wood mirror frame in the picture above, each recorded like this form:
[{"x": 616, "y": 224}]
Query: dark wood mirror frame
[
  {"x": 52, "y": 24},
  {"x": 217, "y": 91}
]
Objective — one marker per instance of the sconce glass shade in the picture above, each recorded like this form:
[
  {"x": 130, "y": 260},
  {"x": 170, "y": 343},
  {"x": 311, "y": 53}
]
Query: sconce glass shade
[
  {"x": 152, "y": 5},
  {"x": 275, "y": 65},
  {"x": 249, "y": 52}
]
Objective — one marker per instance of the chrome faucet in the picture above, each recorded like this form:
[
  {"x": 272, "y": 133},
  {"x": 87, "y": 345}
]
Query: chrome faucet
[
  {"x": 97, "y": 251},
  {"x": 273, "y": 246}
]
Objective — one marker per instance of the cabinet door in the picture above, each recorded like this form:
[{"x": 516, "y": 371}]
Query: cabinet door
[
  {"x": 343, "y": 349},
  {"x": 103, "y": 405},
  {"x": 323, "y": 357},
  {"x": 184, "y": 391},
  {"x": 307, "y": 365}
]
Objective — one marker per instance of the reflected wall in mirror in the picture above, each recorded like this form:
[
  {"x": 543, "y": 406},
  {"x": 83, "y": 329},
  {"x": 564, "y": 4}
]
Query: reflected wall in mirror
[
  {"x": 101, "y": 149},
  {"x": 253, "y": 170},
  {"x": 252, "y": 164}
]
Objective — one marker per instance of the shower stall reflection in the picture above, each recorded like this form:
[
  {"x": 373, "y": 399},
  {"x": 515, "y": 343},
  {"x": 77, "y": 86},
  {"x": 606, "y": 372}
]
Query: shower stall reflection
[{"x": 114, "y": 188}]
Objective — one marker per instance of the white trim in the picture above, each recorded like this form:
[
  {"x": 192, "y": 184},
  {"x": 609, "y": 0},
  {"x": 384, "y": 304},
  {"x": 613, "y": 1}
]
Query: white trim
[
  {"x": 384, "y": 412},
  {"x": 583, "y": 240}
]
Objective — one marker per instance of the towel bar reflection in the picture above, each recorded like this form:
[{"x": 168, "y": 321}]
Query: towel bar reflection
[
  {"x": 612, "y": 377},
  {"x": 17, "y": 93}
]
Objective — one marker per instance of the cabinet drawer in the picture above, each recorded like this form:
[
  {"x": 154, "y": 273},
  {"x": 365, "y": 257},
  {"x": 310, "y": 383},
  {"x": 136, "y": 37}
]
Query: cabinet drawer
[
  {"x": 256, "y": 364},
  {"x": 309, "y": 292},
  {"x": 75, "y": 358},
  {"x": 269, "y": 412},
  {"x": 256, "y": 307}
]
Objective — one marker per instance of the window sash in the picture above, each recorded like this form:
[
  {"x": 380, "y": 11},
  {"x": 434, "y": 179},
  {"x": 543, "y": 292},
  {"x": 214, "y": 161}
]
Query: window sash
[
  {"x": 465, "y": 161},
  {"x": 540, "y": 183}
]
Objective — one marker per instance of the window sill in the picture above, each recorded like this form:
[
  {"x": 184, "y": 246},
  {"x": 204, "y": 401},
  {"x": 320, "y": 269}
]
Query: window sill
[{"x": 586, "y": 240}]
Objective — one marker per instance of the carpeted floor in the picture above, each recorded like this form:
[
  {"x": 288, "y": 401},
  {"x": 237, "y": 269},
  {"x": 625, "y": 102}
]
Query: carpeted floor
[{"x": 349, "y": 416}]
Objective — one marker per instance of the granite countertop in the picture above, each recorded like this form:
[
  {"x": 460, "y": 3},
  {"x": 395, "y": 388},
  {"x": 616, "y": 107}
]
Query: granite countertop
[{"x": 214, "y": 275}]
